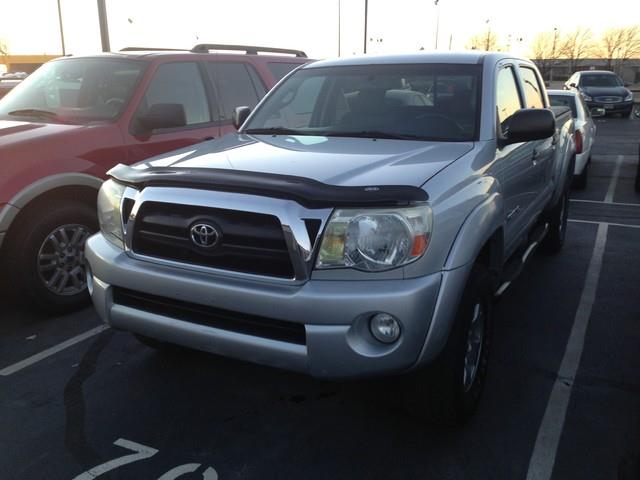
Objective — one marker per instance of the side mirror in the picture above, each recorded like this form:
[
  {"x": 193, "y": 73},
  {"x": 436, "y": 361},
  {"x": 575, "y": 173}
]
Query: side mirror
[
  {"x": 530, "y": 124},
  {"x": 597, "y": 112},
  {"x": 163, "y": 115},
  {"x": 240, "y": 115},
  {"x": 573, "y": 85}
]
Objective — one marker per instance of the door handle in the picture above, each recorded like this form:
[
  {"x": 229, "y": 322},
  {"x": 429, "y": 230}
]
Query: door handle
[
  {"x": 534, "y": 157},
  {"x": 204, "y": 139}
]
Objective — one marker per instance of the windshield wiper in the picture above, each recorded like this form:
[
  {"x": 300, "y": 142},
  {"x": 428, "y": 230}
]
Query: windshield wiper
[
  {"x": 34, "y": 112},
  {"x": 277, "y": 131},
  {"x": 374, "y": 134}
]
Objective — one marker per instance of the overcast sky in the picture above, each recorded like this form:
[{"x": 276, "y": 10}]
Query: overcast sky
[{"x": 31, "y": 26}]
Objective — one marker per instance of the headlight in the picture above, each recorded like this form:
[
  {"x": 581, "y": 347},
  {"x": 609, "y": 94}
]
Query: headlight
[
  {"x": 109, "y": 213},
  {"x": 587, "y": 98},
  {"x": 375, "y": 239},
  {"x": 629, "y": 97}
]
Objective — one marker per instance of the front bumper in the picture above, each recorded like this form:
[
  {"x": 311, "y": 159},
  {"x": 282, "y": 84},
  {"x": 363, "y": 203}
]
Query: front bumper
[
  {"x": 335, "y": 314},
  {"x": 616, "y": 107}
]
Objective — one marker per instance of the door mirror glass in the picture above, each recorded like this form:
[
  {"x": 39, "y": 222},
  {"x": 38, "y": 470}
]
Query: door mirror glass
[
  {"x": 163, "y": 115},
  {"x": 530, "y": 124},
  {"x": 240, "y": 115},
  {"x": 597, "y": 112},
  {"x": 573, "y": 85}
]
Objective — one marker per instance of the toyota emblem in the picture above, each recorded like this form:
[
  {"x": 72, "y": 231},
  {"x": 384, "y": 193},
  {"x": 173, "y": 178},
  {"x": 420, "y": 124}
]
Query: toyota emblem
[{"x": 205, "y": 235}]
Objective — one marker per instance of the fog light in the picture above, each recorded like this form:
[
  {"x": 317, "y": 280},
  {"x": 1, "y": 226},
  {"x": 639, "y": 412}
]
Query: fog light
[
  {"x": 89, "y": 276},
  {"x": 385, "y": 327}
]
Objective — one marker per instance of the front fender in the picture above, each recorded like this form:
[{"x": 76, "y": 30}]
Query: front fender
[
  {"x": 479, "y": 227},
  {"x": 20, "y": 200}
]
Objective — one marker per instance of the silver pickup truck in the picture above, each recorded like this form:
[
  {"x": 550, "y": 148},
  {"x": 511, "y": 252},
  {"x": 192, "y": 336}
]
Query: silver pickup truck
[{"x": 360, "y": 223}]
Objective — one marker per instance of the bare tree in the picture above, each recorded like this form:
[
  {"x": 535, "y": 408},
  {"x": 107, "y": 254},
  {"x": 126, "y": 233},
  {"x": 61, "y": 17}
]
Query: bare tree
[
  {"x": 545, "y": 51},
  {"x": 4, "y": 51},
  {"x": 487, "y": 41},
  {"x": 630, "y": 46},
  {"x": 576, "y": 45},
  {"x": 609, "y": 45}
]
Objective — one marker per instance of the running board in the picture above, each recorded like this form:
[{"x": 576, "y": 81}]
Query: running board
[{"x": 515, "y": 265}]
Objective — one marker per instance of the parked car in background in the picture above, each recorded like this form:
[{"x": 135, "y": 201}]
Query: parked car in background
[
  {"x": 7, "y": 85},
  {"x": 344, "y": 231},
  {"x": 601, "y": 88},
  {"x": 585, "y": 130},
  {"x": 73, "y": 119}
]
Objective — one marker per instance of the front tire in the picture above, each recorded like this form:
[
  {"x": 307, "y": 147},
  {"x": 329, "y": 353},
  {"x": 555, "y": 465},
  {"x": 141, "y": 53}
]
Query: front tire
[
  {"x": 448, "y": 391},
  {"x": 46, "y": 256}
]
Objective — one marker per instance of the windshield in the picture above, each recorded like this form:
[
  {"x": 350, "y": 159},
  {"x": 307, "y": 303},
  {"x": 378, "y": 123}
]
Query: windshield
[
  {"x": 415, "y": 102},
  {"x": 604, "y": 80},
  {"x": 564, "y": 101},
  {"x": 74, "y": 90}
]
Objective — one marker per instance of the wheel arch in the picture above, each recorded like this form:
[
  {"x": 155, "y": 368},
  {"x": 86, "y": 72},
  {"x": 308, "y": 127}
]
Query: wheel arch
[
  {"x": 479, "y": 241},
  {"x": 78, "y": 187}
]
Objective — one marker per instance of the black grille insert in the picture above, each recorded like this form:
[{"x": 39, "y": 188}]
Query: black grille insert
[
  {"x": 251, "y": 242},
  {"x": 254, "y": 325}
]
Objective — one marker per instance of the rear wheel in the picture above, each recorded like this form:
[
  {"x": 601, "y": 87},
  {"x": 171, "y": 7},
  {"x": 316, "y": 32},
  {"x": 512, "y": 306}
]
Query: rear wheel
[
  {"x": 557, "y": 218},
  {"x": 46, "y": 256},
  {"x": 448, "y": 391},
  {"x": 580, "y": 181}
]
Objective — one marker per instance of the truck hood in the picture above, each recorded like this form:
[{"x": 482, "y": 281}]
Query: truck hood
[
  {"x": 606, "y": 91},
  {"x": 330, "y": 160},
  {"x": 13, "y": 132}
]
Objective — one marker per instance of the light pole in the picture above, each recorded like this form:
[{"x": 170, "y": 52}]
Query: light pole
[
  {"x": 553, "y": 53},
  {"x": 339, "y": 11},
  {"x": 64, "y": 51},
  {"x": 366, "y": 13},
  {"x": 488, "y": 41},
  {"x": 436, "y": 2},
  {"x": 104, "y": 27}
]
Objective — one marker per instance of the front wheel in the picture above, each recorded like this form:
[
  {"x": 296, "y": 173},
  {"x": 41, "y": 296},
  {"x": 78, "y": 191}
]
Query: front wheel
[
  {"x": 448, "y": 391},
  {"x": 46, "y": 255}
]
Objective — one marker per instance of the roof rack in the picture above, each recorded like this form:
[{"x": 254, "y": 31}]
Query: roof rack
[
  {"x": 152, "y": 49},
  {"x": 248, "y": 49}
]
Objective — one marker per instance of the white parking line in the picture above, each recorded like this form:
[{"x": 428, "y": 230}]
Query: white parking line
[
  {"x": 593, "y": 222},
  {"x": 614, "y": 180},
  {"x": 16, "y": 367},
  {"x": 619, "y": 204},
  {"x": 544, "y": 452}
]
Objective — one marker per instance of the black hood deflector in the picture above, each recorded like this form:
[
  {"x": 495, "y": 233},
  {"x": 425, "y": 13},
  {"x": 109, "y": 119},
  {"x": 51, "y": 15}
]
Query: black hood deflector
[{"x": 307, "y": 192}]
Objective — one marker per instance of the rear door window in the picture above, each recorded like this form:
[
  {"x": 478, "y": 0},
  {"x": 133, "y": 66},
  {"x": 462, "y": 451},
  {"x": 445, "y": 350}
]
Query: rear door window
[
  {"x": 179, "y": 83},
  {"x": 237, "y": 84},
  {"x": 532, "y": 89},
  {"x": 280, "y": 69},
  {"x": 507, "y": 97}
]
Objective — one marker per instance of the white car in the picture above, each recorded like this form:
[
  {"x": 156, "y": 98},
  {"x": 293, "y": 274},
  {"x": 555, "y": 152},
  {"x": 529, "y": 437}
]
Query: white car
[{"x": 585, "y": 131}]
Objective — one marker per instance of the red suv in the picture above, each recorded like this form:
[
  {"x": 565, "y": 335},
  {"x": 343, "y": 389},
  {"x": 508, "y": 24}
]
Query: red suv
[{"x": 73, "y": 119}]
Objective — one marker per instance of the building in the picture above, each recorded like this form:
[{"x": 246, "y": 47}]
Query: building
[
  {"x": 561, "y": 70},
  {"x": 24, "y": 63}
]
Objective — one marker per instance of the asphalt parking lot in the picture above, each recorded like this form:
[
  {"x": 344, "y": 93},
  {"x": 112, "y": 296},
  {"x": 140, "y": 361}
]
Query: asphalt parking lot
[{"x": 562, "y": 399}]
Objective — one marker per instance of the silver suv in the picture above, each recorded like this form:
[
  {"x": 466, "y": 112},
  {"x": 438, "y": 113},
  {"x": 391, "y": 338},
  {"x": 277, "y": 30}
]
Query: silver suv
[{"x": 359, "y": 223}]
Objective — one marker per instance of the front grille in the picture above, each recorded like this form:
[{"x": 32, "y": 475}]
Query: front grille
[
  {"x": 254, "y": 325},
  {"x": 608, "y": 99},
  {"x": 250, "y": 243}
]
